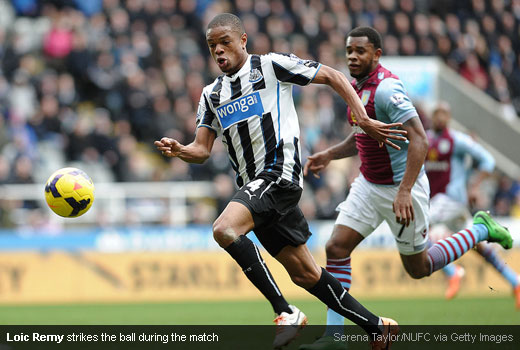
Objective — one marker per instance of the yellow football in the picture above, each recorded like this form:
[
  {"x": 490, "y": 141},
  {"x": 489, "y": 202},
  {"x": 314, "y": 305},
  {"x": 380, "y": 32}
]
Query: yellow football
[{"x": 69, "y": 192}]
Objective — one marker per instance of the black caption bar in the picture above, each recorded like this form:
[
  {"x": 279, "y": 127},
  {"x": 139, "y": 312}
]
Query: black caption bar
[{"x": 247, "y": 337}]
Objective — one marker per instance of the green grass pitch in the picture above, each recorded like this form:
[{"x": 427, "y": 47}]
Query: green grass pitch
[{"x": 462, "y": 311}]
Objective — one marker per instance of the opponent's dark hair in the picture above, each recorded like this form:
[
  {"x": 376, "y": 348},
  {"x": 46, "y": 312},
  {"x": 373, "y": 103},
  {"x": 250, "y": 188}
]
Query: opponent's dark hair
[
  {"x": 227, "y": 19},
  {"x": 373, "y": 35}
]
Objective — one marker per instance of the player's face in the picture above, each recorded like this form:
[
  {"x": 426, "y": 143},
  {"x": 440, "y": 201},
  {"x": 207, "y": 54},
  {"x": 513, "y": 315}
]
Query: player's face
[
  {"x": 227, "y": 47},
  {"x": 440, "y": 120},
  {"x": 362, "y": 57}
]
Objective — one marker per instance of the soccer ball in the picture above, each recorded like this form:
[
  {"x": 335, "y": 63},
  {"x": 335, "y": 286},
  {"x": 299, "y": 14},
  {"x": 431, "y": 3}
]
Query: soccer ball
[{"x": 69, "y": 192}]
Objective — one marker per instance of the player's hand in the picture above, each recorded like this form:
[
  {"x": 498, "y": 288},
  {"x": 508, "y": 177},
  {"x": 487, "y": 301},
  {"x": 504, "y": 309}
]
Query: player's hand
[
  {"x": 403, "y": 208},
  {"x": 473, "y": 196},
  {"x": 383, "y": 133},
  {"x": 316, "y": 163},
  {"x": 169, "y": 147}
]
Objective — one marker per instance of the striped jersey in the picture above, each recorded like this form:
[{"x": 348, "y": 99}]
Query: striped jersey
[
  {"x": 385, "y": 99},
  {"x": 253, "y": 111}
]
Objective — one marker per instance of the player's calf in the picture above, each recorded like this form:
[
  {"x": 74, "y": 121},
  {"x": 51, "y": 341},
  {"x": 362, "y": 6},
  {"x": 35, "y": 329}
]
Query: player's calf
[{"x": 416, "y": 265}]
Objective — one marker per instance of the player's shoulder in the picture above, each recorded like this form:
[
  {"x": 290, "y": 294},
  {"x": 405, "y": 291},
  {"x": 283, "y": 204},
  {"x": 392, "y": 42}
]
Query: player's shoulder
[
  {"x": 287, "y": 58},
  {"x": 460, "y": 137},
  {"x": 208, "y": 89},
  {"x": 390, "y": 89},
  {"x": 390, "y": 83}
]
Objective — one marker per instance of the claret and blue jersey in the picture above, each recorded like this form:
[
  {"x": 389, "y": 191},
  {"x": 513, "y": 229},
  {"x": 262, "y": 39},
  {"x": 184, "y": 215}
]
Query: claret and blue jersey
[
  {"x": 386, "y": 100},
  {"x": 446, "y": 162}
]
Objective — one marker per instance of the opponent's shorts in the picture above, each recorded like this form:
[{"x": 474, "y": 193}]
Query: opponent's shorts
[
  {"x": 368, "y": 204},
  {"x": 447, "y": 211},
  {"x": 273, "y": 203}
]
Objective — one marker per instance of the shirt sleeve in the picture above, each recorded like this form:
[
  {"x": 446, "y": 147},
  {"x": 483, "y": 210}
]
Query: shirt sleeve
[
  {"x": 289, "y": 68},
  {"x": 391, "y": 98},
  {"x": 464, "y": 144},
  {"x": 205, "y": 115}
]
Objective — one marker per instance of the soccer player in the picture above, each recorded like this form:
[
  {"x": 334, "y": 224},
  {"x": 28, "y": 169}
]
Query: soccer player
[
  {"x": 448, "y": 174},
  {"x": 251, "y": 107},
  {"x": 392, "y": 185}
]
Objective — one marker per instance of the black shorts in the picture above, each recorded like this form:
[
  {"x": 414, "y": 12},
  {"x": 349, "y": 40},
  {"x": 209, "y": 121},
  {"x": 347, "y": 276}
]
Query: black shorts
[{"x": 273, "y": 203}]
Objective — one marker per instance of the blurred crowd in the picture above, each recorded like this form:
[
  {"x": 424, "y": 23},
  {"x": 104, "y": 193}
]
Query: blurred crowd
[{"x": 94, "y": 83}]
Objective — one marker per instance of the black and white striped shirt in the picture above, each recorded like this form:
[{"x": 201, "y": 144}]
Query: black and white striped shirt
[{"x": 253, "y": 110}]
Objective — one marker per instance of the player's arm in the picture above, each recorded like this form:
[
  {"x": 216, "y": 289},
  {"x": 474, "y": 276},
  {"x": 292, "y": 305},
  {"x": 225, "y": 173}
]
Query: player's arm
[
  {"x": 379, "y": 131},
  {"x": 319, "y": 161},
  {"x": 464, "y": 144},
  {"x": 196, "y": 152},
  {"x": 417, "y": 150}
]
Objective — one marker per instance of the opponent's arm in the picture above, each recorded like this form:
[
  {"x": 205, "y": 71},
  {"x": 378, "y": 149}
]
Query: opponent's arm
[
  {"x": 319, "y": 161},
  {"x": 196, "y": 152},
  {"x": 377, "y": 130},
  {"x": 464, "y": 144},
  {"x": 417, "y": 149}
]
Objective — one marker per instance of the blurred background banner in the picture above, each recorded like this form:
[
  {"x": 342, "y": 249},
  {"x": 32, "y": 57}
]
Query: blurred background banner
[
  {"x": 80, "y": 277},
  {"x": 184, "y": 263}
]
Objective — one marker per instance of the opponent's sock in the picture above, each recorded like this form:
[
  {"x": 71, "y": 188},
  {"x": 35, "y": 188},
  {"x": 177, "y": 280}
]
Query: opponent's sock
[
  {"x": 246, "y": 254},
  {"x": 494, "y": 259},
  {"x": 342, "y": 271},
  {"x": 449, "y": 270},
  {"x": 329, "y": 291},
  {"x": 445, "y": 251}
]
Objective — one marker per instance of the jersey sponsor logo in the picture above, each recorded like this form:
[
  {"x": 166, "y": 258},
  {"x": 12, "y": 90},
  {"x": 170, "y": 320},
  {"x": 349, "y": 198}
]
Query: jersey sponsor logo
[
  {"x": 240, "y": 109},
  {"x": 365, "y": 97},
  {"x": 255, "y": 76},
  {"x": 436, "y": 166}
]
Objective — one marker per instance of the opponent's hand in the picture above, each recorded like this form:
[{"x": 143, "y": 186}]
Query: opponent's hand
[
  {"x": 316, "y": 163},
  {"x": 384, "y": 133},
  {"x": 403, "y": 208},
  {"x": 169, "y": 147}
]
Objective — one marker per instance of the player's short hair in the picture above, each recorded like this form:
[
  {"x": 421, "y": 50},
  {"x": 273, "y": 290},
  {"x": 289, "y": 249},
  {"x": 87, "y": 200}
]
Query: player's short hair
[
  {"x": 227, "y": 19},
  {"x": 373, "y": 35},
  {"x": 442, "y": 106}
]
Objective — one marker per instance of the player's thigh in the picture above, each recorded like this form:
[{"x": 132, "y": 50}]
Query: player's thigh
[
  {"x": 286, "y": 229},
  {"x": 417, "y": 264},
  {"x": 357, "y": 214},
  {"x": 342, "y": 242},
  {"x": 451, "y": 213},
  {"x": 411, "y": 239},
  {"x": 300, "y": 264},
  {"x": 235, "y": 220}
]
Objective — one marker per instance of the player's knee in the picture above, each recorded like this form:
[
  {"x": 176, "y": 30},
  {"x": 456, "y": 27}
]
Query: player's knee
[
  {"x": 223, "y": 234},
  {"x": 305, "y": 279},
  {"x": 335, "y": 250}
]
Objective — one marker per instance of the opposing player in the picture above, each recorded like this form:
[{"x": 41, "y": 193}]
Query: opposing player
[
  {"x": 448, "y": 174},
  {"x": 392, "y": 185},
  {"x": 251, "y": 107}
]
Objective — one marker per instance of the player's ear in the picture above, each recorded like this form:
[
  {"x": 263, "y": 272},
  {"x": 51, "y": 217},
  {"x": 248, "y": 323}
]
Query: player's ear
[
  {"x": 377, "y": 54},
  {"x": 243, "y": 41}
]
